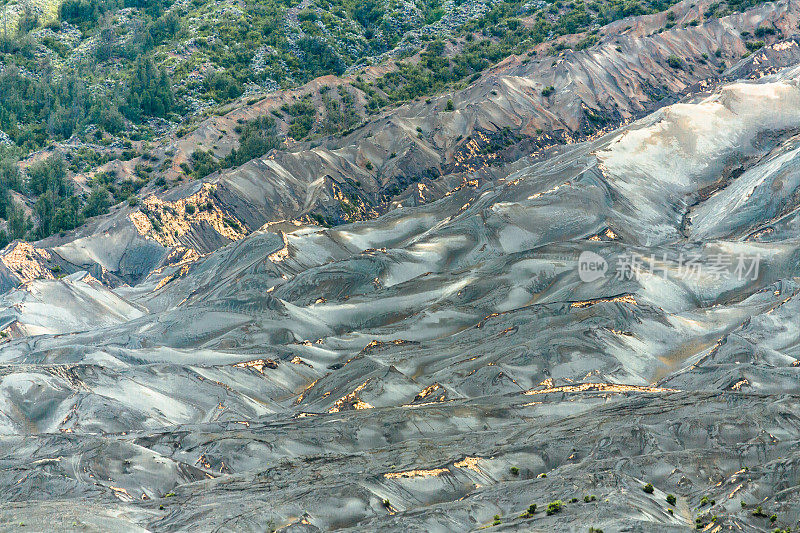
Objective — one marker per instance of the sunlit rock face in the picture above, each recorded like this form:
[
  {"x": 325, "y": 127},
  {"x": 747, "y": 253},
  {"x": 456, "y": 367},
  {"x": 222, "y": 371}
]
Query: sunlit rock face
[{"x": 442, "y": 363}]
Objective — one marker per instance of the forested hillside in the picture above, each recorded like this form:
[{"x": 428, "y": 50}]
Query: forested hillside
[{"x": 85, "y": 82}]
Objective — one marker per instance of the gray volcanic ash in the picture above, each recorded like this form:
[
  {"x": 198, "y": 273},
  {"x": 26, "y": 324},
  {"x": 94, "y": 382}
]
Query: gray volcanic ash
[
  {"x": 607, "y": 328},
  {"x": 426, "y": 369}
]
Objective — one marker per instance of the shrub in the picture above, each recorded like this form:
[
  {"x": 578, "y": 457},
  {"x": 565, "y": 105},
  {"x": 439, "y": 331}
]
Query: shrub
[
  {"x": 764, "y": 30},
  {"x": 675, "y": 62},
  {"x": 547, "y": 91},
  {"x": 257, "y": 137},
  {"x": 554, "y": 507},
  {"x": 514, "y": 471},
  {"x": 648, "y": 488},
  {"x": 589, "y": 498},
  {"x": 450, "y": 106},
  {"x": 754, "y": 45},
  {"x": 671, "y": 499}
]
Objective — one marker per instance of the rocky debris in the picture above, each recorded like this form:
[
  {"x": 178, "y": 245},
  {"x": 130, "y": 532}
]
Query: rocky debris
[
  {"x": 173, "y": 222},
  {"x": 25, "y": 263}
]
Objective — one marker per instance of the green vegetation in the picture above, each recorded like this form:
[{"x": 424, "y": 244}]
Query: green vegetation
[
  {"x": 302, "y": 113},
  {"x": 648, "y": 488},
  {"x": 754, "y": 45},
  {"x": 109, "y": 75},
  {"x": 256, "y": 138},
  {"x": 56, "y": 206},
  {"x": 529, "y": 512},
  {"x": 671, "y": 499},
  {"x": 675, "y": 62},
  {"x": 554, "y": 507},
  {"x": 340, "y": 112},
  {"x": 149, "y": 92}
]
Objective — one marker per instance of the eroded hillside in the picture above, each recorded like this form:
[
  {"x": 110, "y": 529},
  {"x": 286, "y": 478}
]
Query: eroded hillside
[
  {"x": 560, "y": 295},
  {"x": 443, "y": 365}
]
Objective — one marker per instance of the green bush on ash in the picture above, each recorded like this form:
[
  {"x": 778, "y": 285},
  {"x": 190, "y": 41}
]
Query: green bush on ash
[
  {"x": 529, "y": 512},
  {"x": 340, "y": 114},
  {"x": 257, "y": 137},
  {"x": 204, "y": 163},
  {"x": 705, "y": 500},
  {"x": 232, "y": 224},
  {"x": 303, "y": 115},
  {"x": 754, "y": 45},
  {"x": 675, "y": 62},
  {"x": 763, "y": 31},
  {"x": 554, "y": 507}
]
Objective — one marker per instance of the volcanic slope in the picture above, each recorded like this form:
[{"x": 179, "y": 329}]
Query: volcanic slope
[
  {"x": 444, "y": 363},
  {"x": 417, "y": 152}
]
